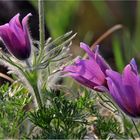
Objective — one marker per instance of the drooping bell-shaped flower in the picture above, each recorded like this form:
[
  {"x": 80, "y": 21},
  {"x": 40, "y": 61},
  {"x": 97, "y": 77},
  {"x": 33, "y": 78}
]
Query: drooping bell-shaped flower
[
  {"x": 125, "y": 89},
  {"x": 16, "y": 38},
  {"x": 89, "y": 72}
]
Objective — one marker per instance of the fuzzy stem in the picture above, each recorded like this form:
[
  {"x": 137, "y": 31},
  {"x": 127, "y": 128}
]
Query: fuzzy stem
[
  {"x": 135, "y": 127},
  {"x": 41, "y": 24},
  {"x": 35, "y": 88},
  {"x": 42, "y": 40},
  {"x": 32, "y": 79},
  {"x": 38, "y": 97}
]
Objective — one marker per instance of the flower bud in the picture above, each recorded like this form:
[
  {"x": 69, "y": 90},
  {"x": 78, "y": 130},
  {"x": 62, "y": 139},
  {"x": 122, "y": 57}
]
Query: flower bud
[{"x": 16, "y": 38}]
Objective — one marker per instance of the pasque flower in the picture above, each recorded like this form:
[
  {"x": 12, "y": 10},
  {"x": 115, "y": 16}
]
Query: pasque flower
[
  {"x": 125, "y": 89},
  {"x": 16, "y": 38},
  {"x": 89, "y": 72}
]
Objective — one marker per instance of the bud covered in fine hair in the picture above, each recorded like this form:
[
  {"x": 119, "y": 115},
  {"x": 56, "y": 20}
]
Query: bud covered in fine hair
[{"x": 16, "y": 38}]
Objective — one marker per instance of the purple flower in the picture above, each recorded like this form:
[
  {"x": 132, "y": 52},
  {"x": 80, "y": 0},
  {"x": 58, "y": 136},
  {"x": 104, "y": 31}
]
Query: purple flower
[
  {"x": 16, "y": 37},
  {"x": 125, "y": 89},
  {"x": 89, "y": 72}
]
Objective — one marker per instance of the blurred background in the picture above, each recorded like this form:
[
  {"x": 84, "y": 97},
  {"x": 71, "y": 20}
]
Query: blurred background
[{"x": 89, "y": 19}]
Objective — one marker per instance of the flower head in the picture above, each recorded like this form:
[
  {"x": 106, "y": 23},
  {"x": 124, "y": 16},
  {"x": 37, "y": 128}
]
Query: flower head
[
  {"x": 125, "y": 89},
  {"x": 89, "y": 72},
  {"x": 16, "y": 37}
]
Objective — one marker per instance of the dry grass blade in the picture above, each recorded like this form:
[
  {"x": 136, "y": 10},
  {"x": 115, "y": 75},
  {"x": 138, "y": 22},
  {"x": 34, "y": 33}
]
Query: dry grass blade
[
  {"x": 6, "y": 77},
  {"x": 104, "y": 35}
]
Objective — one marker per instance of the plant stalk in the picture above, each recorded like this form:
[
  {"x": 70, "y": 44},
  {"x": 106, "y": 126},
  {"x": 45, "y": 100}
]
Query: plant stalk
[
  {"x": 136, "y": 127},
  {"x": 41, "y": 50},
  {"x": 41, "y": 25},
  {"x": 38, "y": 97}
]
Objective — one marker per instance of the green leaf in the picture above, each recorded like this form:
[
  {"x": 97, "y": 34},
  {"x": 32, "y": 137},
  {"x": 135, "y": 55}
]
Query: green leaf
[
  {"x": 117, "y": 50},
  {"x": 59, "y": 16},
  {"x": 137, "y": 28}
]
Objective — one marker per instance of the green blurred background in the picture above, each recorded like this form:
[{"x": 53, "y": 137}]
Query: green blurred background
[{"x": 90, "y": 19}]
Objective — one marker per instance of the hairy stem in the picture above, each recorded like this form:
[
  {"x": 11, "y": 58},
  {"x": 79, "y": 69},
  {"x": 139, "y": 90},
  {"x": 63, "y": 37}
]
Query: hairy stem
[
  {"x": 34, "y": 82},
  {"x": 41, "y": 25},
  {"x": 37, "y": 95},
  {"x": 32, "y": 79}
]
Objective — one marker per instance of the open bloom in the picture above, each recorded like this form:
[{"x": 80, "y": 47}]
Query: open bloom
[
  {"x": 125, "y": 89},
  {"x": 89, "y": 72},
  {"x": 16, "y": 37}
]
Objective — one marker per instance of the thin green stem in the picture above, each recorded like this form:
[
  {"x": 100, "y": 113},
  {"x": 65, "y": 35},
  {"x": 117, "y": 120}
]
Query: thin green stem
[
  {"x": 38, "y": 97},
  {"x": 135, "y": 127},
  {"x": 33, "y": 83},
  {"x": 42, "y": 42},
  {"x": 41, "y": 25},
  {"x": 32, "y": 79}
]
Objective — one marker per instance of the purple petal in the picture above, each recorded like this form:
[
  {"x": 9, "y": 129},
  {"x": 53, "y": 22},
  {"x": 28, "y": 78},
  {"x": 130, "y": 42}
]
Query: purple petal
[
  {"x": 5, "y": 34},
  {"x": 88, "y": 69},
  {"x": 122, "y": 92},
  {"x": 101, "y": 62},
  {"x": 117, "y": 80},
  {"x": 130, "y": 77},
  {"x": 83, "y": 80},
  {"x": 101, "y": 88},
  {"x": 87, "y": 49},
  {"x": 15, "y": 20},
  {"x": 11, "y": 41},
  {"x": 25, "y": 29},
  {"x": 134, "y": 66},
  {"x": 132, "y": 83},
  {"x": 72, "y": 69},
  {"x": 115, "y": 76},
  {"x": 16, "y": 27},
  {"x": 118, "y": 96},
  {"x": 96, "y": 56},
  {"x": 4, "y": 30},
  {"x": 25, "y": 22}
]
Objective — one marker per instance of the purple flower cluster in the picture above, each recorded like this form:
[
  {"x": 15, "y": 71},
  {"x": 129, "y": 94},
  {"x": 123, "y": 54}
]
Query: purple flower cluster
[
  {"x": 96, "y": 74},
  {"x": 93, "y": 72},
  {"x": 16, "y": 38}
]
